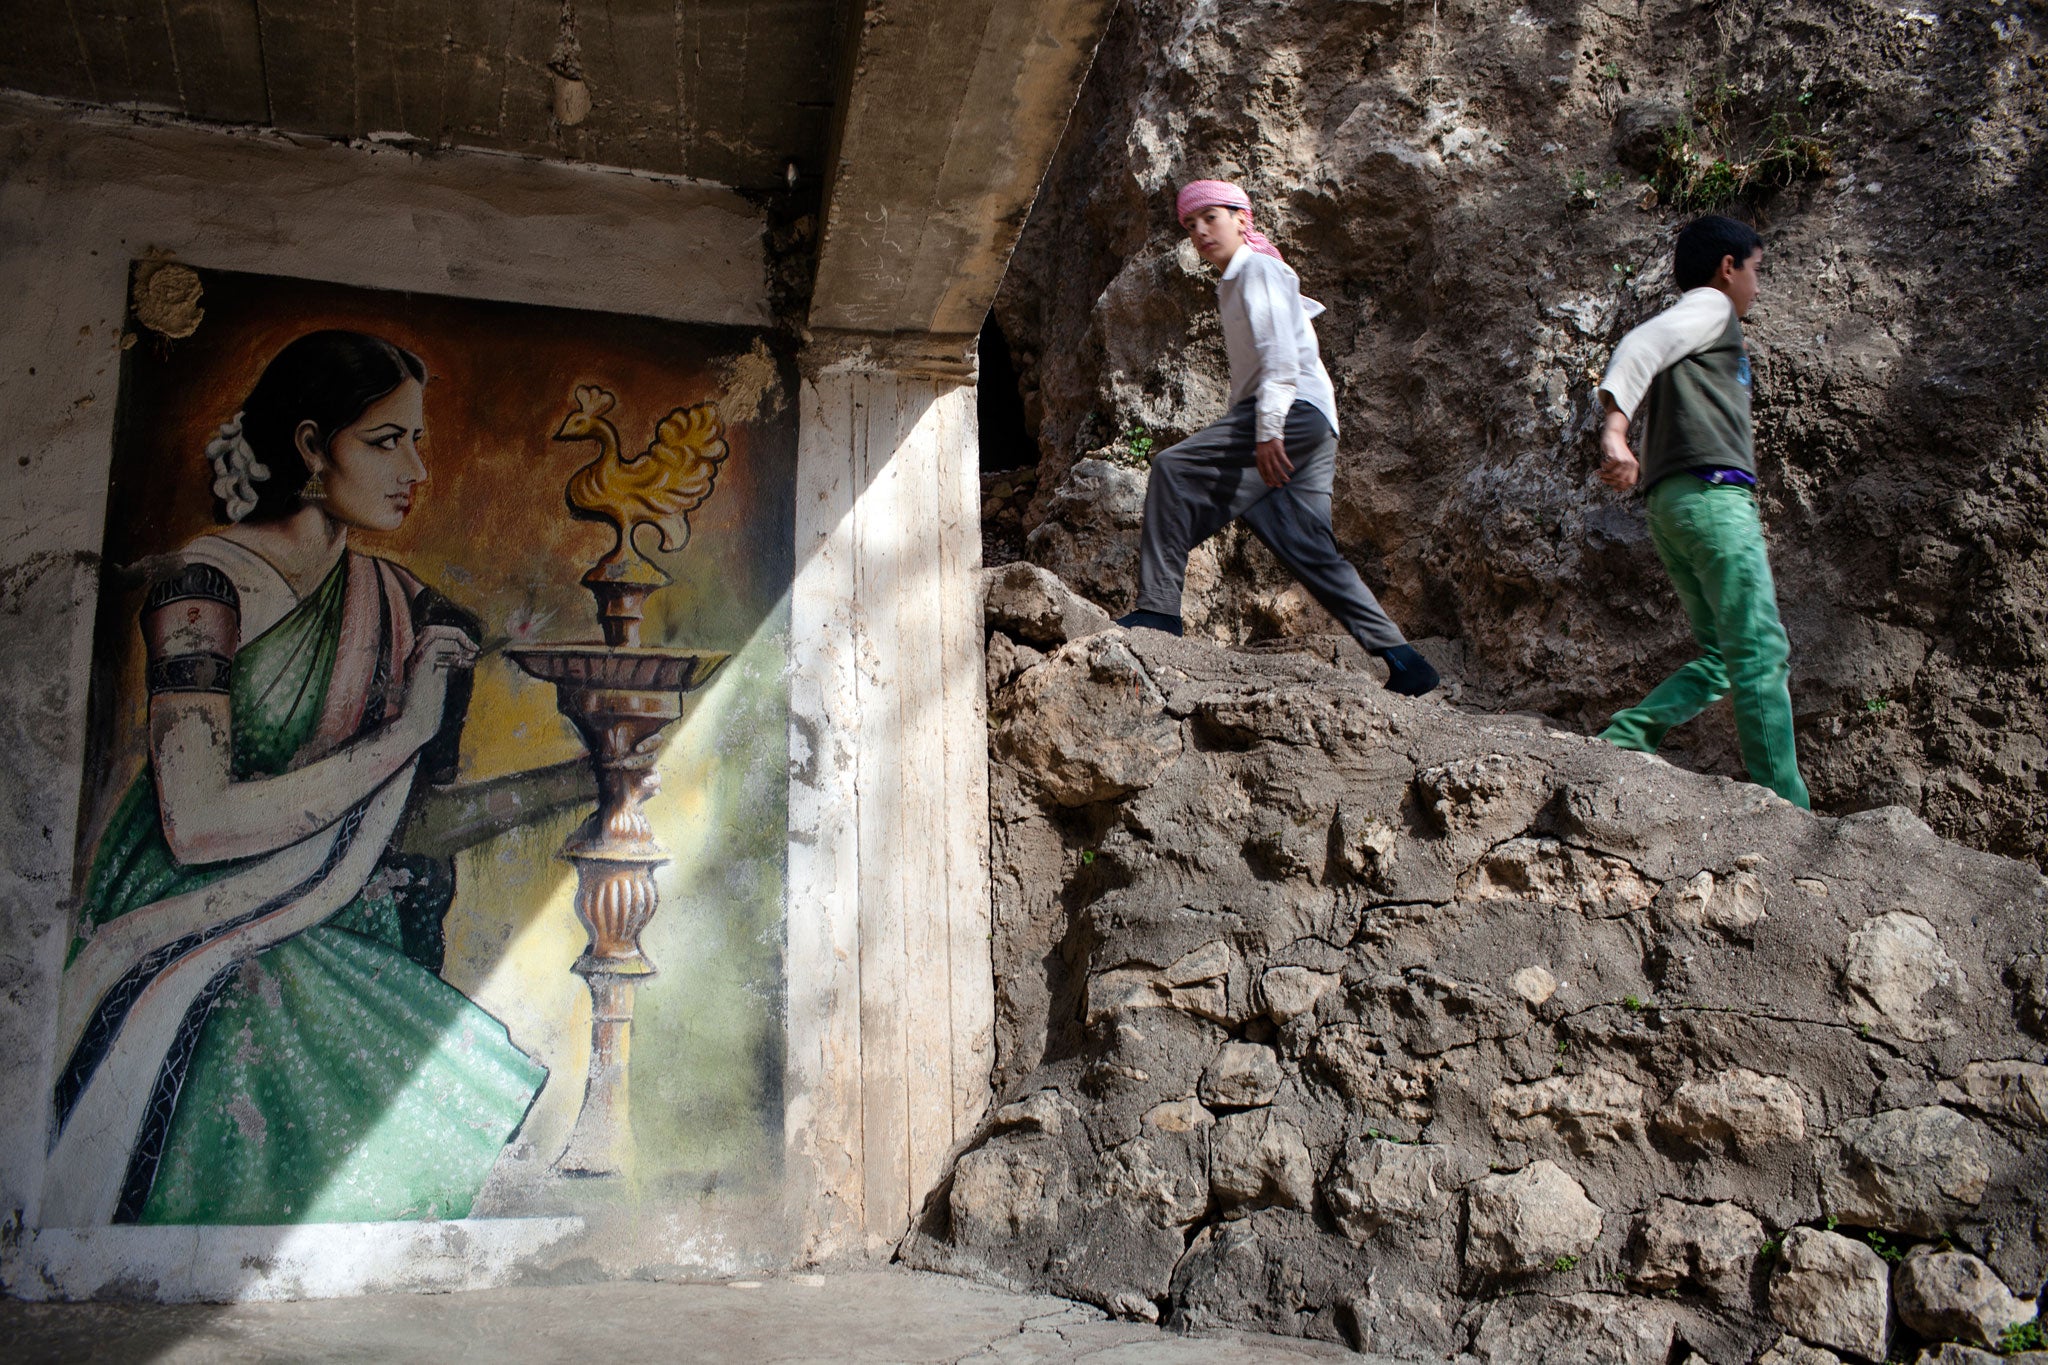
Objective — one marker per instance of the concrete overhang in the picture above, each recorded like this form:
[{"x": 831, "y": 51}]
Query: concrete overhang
[{"x": 951, "y": 113}]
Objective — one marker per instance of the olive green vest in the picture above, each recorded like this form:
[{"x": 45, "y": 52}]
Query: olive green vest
[{"x": 1698, "y": 411}]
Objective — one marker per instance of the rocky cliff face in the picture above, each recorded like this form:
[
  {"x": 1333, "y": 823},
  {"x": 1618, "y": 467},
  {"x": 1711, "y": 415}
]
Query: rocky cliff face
[
  {"x": 1463, "y": 185},
  {"x": 1340, "y": 1015}
]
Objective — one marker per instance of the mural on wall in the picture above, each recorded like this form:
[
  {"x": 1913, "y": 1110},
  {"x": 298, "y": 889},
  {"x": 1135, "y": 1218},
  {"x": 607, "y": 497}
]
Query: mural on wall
[{"x": 351, "y": 731}]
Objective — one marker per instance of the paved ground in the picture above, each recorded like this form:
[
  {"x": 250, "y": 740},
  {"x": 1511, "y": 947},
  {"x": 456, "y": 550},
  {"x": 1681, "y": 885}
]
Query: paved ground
[{"x": 867, "y": 1316}]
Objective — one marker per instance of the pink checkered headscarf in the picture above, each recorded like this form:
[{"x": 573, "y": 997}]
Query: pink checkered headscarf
[{"x": 1197, "y": 195}]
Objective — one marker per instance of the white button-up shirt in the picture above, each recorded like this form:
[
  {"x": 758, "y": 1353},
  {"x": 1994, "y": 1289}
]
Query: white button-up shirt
[{"x": 1272, "y": 346}]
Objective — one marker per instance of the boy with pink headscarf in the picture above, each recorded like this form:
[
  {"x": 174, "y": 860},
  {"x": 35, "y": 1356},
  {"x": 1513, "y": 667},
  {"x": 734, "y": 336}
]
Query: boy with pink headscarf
[{"x": 1272, "y": 458}]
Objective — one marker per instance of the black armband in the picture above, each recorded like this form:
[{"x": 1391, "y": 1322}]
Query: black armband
[
  {"x": 202, "y": 582},
  {"x": 198, "y": 672}
]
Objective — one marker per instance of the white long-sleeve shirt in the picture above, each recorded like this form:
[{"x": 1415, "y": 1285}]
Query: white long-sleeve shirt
[
  {"x": 1266, "y": 330},
  {"x": 1692, "y": 324}
]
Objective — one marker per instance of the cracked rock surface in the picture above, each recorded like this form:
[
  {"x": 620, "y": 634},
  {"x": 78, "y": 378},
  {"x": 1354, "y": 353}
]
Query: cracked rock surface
[
  {"x": 1333, "y": 1014},
  {"x": 1461, "y": 184}
]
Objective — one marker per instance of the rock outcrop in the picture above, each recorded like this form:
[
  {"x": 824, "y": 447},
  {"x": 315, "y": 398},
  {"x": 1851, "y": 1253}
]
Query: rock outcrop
[
  {"x": 1463, "y": 185},
  {"x": 1330, "y": 1013}
]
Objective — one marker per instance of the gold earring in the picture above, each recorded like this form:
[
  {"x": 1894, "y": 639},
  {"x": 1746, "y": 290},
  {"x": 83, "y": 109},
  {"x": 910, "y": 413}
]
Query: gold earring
[{"x": 315, "y": 489}]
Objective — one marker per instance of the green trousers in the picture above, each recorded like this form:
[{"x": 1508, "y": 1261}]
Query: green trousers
[{"x": 1712, "y": 543}]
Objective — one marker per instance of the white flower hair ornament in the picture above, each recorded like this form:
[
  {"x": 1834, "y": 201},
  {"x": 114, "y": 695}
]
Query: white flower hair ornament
[{"x": 236, "y": 470}]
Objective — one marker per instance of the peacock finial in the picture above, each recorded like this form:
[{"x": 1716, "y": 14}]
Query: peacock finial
[{"x": 658, "y": 487}]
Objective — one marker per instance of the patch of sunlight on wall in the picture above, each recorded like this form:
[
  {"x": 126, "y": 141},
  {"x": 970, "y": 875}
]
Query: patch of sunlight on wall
[{"x": 708, "y": 1029}]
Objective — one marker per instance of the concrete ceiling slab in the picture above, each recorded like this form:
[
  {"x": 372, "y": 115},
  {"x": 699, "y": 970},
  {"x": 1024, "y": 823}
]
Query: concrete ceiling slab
[
  {"x": 733, "y": 91},
  {"x": 952, "y": 113}
]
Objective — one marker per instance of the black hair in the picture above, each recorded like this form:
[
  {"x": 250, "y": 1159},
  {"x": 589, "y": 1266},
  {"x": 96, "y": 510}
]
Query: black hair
[
  {"x": 327, "y": 378},
  {"x": 1703, "y": 243}
]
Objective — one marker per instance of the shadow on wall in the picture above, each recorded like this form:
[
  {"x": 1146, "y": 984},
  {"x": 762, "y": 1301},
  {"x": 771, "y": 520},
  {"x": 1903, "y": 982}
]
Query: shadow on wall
[{"x": 320, "y": 973}]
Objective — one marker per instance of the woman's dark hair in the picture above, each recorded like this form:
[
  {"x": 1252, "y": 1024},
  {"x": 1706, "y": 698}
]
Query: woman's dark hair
[
  {"x": 326, "y": 378},
  {"x": 1704, "y": 241}
]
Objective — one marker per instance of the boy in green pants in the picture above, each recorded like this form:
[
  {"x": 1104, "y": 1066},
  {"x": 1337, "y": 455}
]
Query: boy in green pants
[{"x": 1699, "y": 467}]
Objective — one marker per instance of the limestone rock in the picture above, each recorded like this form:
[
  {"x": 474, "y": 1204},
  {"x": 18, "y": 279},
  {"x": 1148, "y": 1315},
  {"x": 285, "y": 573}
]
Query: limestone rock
[
  {"x": 1555, "y": 873},
  {"x": 1793, "y": 1351},
  {"x": 1597, "y": 1329},
  {"x": 1195, "y": 982},
  {"x": 1290, "y": 992},
  {"x": 1731, "y": 903},
  {"x": 1090, "y": 533},
  {"x": 1241, "y": 1076},
  {"x": 1258, "y": 1158},
  {"x": 1397, "y": 1321},
  {"x": 1376, "y": 1184},
  {"x": 1097, "y": 729},
  {"x": 1178, "y": 1116},
  {"x": 1953, "y": 1295},
  {"x": 2013, "y": 1092},
  {"x": 1712, "y": 1246},
  {"x": 1533, "y": 984},
  {"x": 1955, "y": 1353},
  {"x": 1152, "y": 1175},
  {"x": 1043, "y": 1110},
  {"x": 1900, "y": 979},
  {"x": 1031, "y": 605},
  {"x": 1584, "y": 1111},
  {"x": 2029, "y": 978},
  {"x": 1007, "y": 1190},
  {"x": 1006, "y": 659},
  {"x": 1832, "y": 1291},
  {"x": 1527, "y": 1220},
  {"x": 1908, "y": 1170},
  {"x": 1739, "y": 1108}
]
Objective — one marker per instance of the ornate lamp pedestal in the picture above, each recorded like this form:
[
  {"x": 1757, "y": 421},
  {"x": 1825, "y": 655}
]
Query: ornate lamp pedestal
[{"x": 620, "y": 695}]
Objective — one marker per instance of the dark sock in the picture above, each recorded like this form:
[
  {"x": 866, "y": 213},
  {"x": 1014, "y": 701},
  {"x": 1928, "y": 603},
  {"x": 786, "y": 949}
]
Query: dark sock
[
  {"x": 1151, "y": 620},
  {"x": 1408, "y": 673}
]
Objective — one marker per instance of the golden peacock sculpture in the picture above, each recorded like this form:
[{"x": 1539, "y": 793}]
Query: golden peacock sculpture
[{"x": 658, "y": 487}]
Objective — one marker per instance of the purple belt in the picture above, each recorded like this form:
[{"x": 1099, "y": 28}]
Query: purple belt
[{"x": 1721, "y": 473}]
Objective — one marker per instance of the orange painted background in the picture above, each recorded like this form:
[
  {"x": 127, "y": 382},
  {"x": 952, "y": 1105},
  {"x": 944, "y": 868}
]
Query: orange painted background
[{"x": 490, "y": 527}]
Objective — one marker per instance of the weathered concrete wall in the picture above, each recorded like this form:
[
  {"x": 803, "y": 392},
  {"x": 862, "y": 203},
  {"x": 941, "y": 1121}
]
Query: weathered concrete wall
[{"x": 82, "y": 197}]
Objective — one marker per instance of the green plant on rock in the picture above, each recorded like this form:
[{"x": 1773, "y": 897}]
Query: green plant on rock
[
  {"x": 1634, "y": 1004},
  {"x": 1700, "y": 166},
  {"x": 2023, "y": 1336},
  {"x": 1136, "y": 448},
  {"x": 1583, "y": 191},
  {"x": 1884, "y": 1246},
  {"x": 1768, "y": 1252},
  {"x": 1564, "y": 1263}
]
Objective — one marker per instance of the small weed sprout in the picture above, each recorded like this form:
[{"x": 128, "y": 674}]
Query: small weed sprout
[
  {"x": 1634, "y": 1004},
  {"x": 1583, "y": 191},
  {"x": 1876, "y": 705},
  {"x": 1768, "y": 1252},
  {"x": 1564, "y": 1263},
  {"x": 1831, "y": 1222},
  {"x": 1087, "y": 856},
  {"x": 1884, "y": 1246}
]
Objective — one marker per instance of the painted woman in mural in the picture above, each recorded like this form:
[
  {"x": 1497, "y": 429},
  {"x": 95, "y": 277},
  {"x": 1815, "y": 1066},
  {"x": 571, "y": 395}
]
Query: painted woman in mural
[{"x": 253, "y": 1026}]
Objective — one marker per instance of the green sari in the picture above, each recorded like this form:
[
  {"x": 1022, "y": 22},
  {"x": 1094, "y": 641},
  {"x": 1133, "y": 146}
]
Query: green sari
[{"x": 330, "y": 1076}]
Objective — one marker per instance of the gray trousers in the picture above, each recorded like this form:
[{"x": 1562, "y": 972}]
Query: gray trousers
[{"x": 1209, "y": 480}]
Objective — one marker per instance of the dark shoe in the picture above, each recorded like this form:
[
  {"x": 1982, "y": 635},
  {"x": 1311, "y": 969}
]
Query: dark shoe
[
  {"x": 1408, "y": 673},
  {"x": 1153, "y": 620}
]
